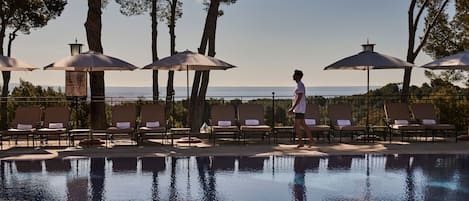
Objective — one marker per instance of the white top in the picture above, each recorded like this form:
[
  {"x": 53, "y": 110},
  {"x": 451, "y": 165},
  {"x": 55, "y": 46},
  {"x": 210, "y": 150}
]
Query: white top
[{"x": 301, "y": 107}]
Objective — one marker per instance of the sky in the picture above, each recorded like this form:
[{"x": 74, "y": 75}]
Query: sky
[{"x": 266, "y": 39}]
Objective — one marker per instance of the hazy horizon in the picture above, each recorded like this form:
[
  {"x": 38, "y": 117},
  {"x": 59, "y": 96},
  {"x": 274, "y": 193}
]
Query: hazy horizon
[{"x": 13, "y": 84}]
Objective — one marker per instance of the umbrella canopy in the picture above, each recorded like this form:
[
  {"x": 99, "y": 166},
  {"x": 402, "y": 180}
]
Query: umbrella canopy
[
  {"x": 90, "y": 61},
  {"x": 366, "y": 60},
  {"x": 12, "y": 64},
  {"x": 458, "y": 61},
  {"x": 188, "y": 60}
]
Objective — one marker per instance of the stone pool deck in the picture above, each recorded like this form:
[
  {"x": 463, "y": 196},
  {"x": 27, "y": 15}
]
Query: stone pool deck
[{"x": 205, "y": 149}]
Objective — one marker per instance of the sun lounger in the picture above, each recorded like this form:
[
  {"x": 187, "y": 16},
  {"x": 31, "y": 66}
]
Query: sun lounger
[
  {"x": 124, "y": 118},
  {"x": 152, "y": 121},
  {"x": 340, "y": 116},
  {"x": 26, "y": 120},
  {"x": 313, "y": 121},
  {"x": 399, "y": 121},
  {"x": 56, "y": 122},
  {"x": 223, "y": 121},
  {"x": 251, "y": 120},
  {"x": 425, "y": 114}
]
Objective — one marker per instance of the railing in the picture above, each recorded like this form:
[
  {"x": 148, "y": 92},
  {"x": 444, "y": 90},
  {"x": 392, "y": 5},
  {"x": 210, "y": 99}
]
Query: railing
[{"x": 451, "y": 108}]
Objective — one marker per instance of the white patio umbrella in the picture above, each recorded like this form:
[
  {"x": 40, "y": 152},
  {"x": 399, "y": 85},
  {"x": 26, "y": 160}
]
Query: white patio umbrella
[
  {"x": 368, "y": 60},
  {"x": 12, "y": 64},
  {"x": 90, "y": 61},
  {"x": 459, "y": 61},
  {"x": 186, "y": 61}
]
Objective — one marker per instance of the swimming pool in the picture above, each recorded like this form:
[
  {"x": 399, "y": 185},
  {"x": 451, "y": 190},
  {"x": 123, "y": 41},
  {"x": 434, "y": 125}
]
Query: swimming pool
[{"x": 334, "y": 178}]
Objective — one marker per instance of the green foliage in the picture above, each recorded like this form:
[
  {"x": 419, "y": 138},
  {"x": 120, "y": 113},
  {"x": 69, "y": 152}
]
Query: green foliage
[
  {"x": 27, "y": 14},
  {"x": 166, "y": 11},
  {"x": 134, "y": 7},
  {"x": 140, "y": 7},
  {"x": 451, "y": 108}
]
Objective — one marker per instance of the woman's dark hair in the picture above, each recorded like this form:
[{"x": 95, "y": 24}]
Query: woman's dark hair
[{"x": 299, "y": 73}]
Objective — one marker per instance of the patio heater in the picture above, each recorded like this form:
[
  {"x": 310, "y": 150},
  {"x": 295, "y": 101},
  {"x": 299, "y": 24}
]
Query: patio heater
[{"x": 73, "y": 80}]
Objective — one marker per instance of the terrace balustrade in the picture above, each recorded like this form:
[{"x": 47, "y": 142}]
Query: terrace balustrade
[{"x": 451, "y": 109}]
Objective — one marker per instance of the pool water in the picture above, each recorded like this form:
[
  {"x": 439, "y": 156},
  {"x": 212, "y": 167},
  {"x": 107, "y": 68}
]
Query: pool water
[{"x": 332, "y": 178}]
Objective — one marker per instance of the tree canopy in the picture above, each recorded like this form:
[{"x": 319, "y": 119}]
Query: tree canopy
[
  {"x": 27, "y": 14},
  {"x": 449, "y": 36}
]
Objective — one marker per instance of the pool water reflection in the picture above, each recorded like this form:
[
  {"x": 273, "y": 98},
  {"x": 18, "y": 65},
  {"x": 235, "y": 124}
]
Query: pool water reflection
[{"x": 344, "y": 177}]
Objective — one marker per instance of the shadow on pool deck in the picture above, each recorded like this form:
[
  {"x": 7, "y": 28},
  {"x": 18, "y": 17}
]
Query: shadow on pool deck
[{"x": 205, "y": 149}]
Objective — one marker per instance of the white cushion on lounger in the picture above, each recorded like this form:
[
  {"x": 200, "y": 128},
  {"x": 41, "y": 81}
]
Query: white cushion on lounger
[
  {"x": 152, "y": 124},
  {"x": 401, "y": 122},
  {"x": 56, "y": 125},
  {"x": 251, "y": 122},
  {"x": 310, "y": 122},
  {"x": 224, "y": 123},
  {"x": 123, "y": 125},
  {"x": 428, "y": 122},
  {"x": 24, "y": 126},
  {"x": 344, "y": 122}
]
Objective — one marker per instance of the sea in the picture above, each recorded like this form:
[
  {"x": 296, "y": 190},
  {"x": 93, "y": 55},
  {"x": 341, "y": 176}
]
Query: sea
[
  {"x": 248, "y": 92},
  {"x": 228, "y": 93}
]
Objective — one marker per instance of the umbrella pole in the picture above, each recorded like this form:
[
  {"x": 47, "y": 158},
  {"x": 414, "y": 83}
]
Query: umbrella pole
[
  {"x": 367, "y": 101},
  {"x": 188, "y": 104},
  {"x": 187, "y": 83}
]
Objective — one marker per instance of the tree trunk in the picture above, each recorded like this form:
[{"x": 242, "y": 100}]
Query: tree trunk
[
  {"x": 3, "y": 100},
  {"x": 195, "y": 124},
  {"x": 154, "y": 49},
  {"x": 93, "y": 34},
  {"x": 406, "y": 85},
  {"x": 199, "y": 115},
  {"x": 172, "y": 34},
  {"x": 193, "y": 103},
  {"x": 2, "y": 36},
  {"x": 11, "y": 38},
  {"x": 169, "y": 92},
  {"x": 410, "y": 51},
  {"x": 6, "y": 80}
]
